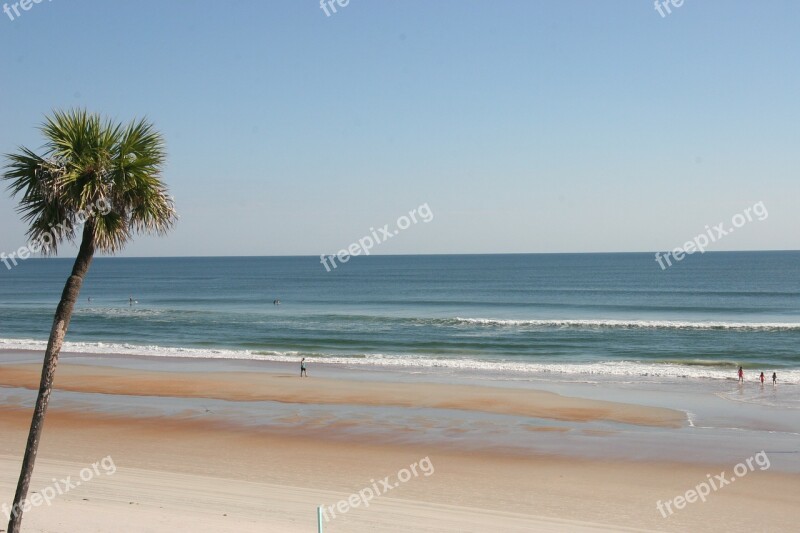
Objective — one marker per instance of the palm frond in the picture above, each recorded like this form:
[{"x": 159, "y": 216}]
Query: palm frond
[{"x": 88, "y": 161}]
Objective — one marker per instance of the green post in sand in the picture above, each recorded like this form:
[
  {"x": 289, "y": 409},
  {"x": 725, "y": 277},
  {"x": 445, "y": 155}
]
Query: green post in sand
[{"x": 319, "y": 519}]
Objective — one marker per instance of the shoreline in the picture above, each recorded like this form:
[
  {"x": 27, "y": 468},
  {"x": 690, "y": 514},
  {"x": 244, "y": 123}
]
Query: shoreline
[
  {"x": 282, "y": 388},
  {"x": 583, "y": 370},
  {"x": 644, "y": 421}
]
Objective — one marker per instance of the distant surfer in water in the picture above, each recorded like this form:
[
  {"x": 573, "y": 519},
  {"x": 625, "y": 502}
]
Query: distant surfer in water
[
  {"x": 741, "y": 375},
  {"x": 303, "y": 371}
]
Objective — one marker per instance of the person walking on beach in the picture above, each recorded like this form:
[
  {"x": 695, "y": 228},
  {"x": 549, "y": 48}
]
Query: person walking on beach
[
  {"x": 774, "y": 379},
  {"x": 741, "y": 375},
  {"x": 762, "y": 379},
  {"x": 303, "y": 371}
]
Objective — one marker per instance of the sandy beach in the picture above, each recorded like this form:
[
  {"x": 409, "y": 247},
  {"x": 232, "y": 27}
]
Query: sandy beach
[
  {"x": 235, "y": 386},
  {"x": 183, "y": 471},
  {"x": 367, "y": 267}
]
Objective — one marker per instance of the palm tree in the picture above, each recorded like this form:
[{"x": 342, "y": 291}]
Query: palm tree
[{"x": 102, "y": 176}]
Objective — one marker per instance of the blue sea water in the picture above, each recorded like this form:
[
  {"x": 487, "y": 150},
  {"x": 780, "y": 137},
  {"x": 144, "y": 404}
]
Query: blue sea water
[{"x": 556, "y": 314}]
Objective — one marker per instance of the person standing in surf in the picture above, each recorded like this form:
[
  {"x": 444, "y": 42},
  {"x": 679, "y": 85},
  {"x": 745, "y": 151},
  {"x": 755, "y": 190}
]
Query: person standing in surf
[
  {"x": 303, "y": 372},
  {"x": 741, "y": 375}
]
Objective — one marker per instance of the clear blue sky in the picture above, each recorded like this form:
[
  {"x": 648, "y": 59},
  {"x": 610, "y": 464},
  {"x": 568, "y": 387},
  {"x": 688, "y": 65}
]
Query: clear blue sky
[{"x": 527, "y": 126}]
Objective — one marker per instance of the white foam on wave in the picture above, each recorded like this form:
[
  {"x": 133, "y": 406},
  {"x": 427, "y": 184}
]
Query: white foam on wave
[
  {"x": 616, "y": 369},
  {"x": 633, "y": 324},
  {"x": 125, "y": 311},
  {"x": 101, "y": 348}
]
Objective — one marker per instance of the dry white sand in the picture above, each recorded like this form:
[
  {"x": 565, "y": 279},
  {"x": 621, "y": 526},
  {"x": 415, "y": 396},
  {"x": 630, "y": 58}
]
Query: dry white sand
[{"x": 135, "y": 500}]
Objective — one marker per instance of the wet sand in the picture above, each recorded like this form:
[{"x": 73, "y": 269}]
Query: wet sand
[{"x": 239, "y": 386}]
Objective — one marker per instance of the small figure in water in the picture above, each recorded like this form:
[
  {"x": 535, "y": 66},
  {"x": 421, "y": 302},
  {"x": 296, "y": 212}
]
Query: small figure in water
[
  {"x": 741, "y": 375},
  {"x": 774, "y": 379},
  {"x": 762, "y": 379},
  {"x": 303, "y": 371},
  {"x": 276, "y": 302}
]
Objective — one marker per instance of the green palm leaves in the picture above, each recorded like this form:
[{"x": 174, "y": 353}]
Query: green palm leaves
[{"x": 92, "y": 172}]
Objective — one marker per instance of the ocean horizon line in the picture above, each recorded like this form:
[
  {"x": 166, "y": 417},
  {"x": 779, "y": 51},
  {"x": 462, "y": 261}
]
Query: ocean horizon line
[{"x": 454, "y": 254}]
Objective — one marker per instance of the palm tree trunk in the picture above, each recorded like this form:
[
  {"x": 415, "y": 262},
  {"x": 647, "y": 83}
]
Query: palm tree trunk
[{"x": 60, "y": 324}]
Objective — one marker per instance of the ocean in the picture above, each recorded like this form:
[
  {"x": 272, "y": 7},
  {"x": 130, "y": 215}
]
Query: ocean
[{"x": 615, "y": 316}]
